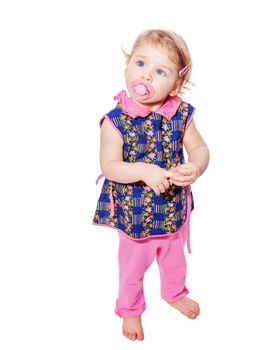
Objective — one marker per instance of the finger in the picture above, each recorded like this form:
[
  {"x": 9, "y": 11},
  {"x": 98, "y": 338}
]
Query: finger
[
  {"x": 179, "y": 179},
  {"x": 183, "y": 178},
  {"x": 184, "y": 171},
  {"x": 166, "y": 184},
  {"x": 157, "y": 190},
  {"x": 161, "y": 188},
  {"x": 180, "y": 171}
]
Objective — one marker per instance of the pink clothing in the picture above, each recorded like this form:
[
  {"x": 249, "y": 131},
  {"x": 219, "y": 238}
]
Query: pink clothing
[
  {"x": 135, "y": 257},
  {"x": 168, "y": 109}
]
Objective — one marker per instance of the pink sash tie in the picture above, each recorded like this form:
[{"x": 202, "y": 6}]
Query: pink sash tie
[{"x": 188, "y": 219}]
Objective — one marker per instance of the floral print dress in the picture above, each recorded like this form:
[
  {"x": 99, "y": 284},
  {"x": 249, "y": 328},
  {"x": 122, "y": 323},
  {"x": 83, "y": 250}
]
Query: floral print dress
[{"x": 154, "y": 138}]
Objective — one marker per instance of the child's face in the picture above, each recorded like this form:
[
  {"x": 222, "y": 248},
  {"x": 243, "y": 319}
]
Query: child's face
[{"x": 150, "y": 77}]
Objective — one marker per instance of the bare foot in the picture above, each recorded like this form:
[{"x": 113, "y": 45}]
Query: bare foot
[
  {"x": 132, "y": 328},
  {"x": 188, "y": 307}
]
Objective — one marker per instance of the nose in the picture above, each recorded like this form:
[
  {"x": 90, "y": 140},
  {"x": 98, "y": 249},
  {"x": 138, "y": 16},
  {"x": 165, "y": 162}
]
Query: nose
[{"x": 146, "y": 76}]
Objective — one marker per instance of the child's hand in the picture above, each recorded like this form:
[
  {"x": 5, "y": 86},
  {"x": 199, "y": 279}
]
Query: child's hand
[
  {"x": 156, "y": 178},
  {"x": 185, "y": 174}
]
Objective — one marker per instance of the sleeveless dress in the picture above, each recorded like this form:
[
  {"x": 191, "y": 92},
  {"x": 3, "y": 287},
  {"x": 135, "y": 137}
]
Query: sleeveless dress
[{"x": 154, "y": 137}]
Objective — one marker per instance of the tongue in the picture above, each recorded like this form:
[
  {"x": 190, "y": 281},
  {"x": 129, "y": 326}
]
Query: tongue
[{"x": 140, "y": 89}]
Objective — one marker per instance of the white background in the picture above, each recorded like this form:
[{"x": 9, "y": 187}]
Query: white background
[{"x": 61, "y": 65}]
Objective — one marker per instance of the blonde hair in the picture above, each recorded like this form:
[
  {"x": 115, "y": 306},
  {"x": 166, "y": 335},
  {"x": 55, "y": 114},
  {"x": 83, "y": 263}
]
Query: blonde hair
[{"x": 176, "y": 48}]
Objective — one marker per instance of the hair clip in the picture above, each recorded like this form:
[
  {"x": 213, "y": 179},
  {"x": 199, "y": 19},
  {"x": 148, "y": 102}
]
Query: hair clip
[{"x": 183, "y": 70}]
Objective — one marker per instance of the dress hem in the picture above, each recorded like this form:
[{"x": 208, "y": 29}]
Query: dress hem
[{"x": 148, "y": 237}]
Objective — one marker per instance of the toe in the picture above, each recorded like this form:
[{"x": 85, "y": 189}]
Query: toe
[
  {"x": 126, "y": 334},
  {"x": 129, "y": 335},
  {"x": 196, "y": 309},
  {"x": 140, "y": 336},
  {"x": 192, "y": 315},
  {"x": 133, "y": 336}
]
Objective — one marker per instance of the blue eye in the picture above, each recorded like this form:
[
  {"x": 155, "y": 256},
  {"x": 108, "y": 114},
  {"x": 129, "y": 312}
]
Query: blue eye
[
  {"x": 140, "y": 63},
  {"x": 160, "y": 72}
]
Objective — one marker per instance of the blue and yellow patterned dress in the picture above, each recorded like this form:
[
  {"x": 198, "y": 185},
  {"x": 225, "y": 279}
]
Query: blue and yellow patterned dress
[{"x": 150, "y": 137}]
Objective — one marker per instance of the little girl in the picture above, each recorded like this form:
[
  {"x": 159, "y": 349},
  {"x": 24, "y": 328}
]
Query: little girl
[{"x": 146, "y": 195}]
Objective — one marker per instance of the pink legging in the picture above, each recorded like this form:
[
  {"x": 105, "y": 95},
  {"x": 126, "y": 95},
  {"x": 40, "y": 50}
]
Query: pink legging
[{"x": 135, "y": 257}]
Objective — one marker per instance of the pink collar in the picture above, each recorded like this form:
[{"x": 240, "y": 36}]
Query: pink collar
[{"x": 168, "y": 109}]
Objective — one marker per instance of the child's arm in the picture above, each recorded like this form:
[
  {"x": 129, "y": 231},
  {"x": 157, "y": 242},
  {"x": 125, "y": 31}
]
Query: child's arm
[
  {"x": 198, "y": 157},
  {"x": 197, "y": 150},
  {"x": 115, "y": 169}
]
